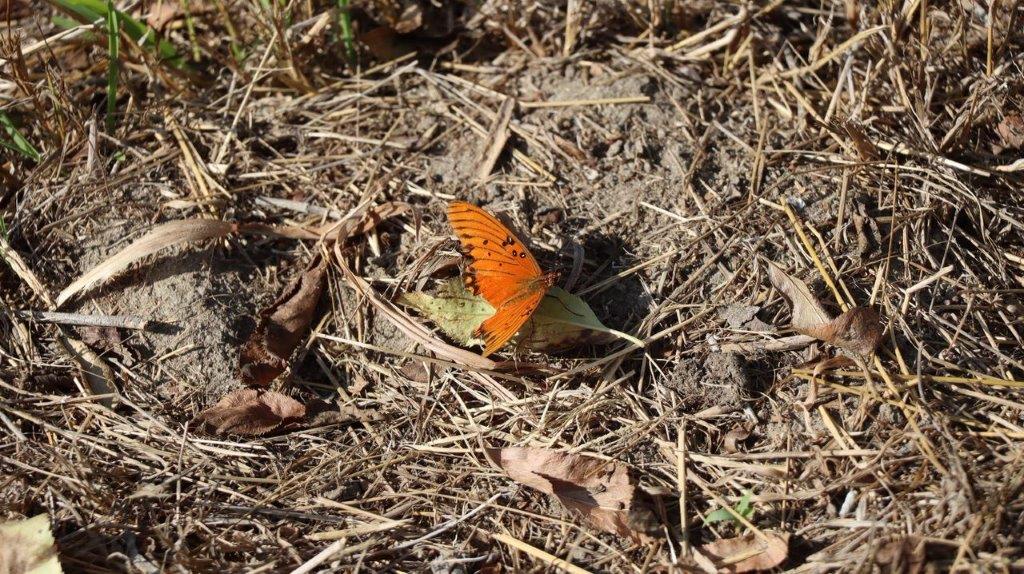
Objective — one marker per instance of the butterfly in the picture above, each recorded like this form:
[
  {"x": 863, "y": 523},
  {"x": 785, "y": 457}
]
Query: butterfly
[{"x": 501, "y": 270}]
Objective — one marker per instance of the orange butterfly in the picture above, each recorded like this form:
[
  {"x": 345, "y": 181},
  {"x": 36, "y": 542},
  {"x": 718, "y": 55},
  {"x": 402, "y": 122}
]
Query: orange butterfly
[{"x": 502, "y": 271}]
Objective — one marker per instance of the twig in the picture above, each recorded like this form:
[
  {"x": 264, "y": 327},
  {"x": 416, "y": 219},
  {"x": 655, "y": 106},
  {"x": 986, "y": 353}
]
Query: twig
[
  {"x": 587, "y": 102},
  {"x": 118, "y": 321},
  {"x": 495, "y": 139}
]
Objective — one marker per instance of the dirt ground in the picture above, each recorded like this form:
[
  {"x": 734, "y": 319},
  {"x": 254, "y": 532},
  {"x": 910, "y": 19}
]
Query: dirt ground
[{"x": 668, "y": 150}]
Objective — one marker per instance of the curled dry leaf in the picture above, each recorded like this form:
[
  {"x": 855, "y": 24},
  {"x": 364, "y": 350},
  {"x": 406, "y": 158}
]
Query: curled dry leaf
[
  {"x": 857, "y": 330},
  {"x": 604, "y": 492},
  {"x": 160, "y": 237},
  {"x": 748, "y": 553},
  {"x": 737, "y": 434},
  {"x": 281, "y": 327},
  {"x": 252, "y": 412},
  {"x": 562, "y": 320},
  {"x": 27, "y": 546}
]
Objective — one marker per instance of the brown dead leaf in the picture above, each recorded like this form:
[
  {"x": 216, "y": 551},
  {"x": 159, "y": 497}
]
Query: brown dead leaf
[
  {"x": 602, "y": 491},
  {"x": 748, "y": 553},
  {"x": 806, "y": 309},
  {"x": 858, "y": 330},
  {"x": 252, "y": 412},
  {"x": 1011, "y": 131},
  {"x": 281, "y": 327},
  {"x": 385, "y": 44}
]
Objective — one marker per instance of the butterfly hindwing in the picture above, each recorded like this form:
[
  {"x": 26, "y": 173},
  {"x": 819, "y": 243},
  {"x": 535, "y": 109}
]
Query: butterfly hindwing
[{"x": 507, "y": 320}]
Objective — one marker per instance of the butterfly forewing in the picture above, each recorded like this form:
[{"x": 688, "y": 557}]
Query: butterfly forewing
[
  {"x": 501, "y": 270},
  {"x": 501, "y": 267}
]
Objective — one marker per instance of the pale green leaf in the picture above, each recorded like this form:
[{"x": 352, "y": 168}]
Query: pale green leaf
[
  {"x": 563, "y": 321},
  {"x": 454, "y": 310}
]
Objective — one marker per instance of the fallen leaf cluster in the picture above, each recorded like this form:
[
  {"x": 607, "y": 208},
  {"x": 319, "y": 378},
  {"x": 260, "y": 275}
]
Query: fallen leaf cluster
[{"x": 280, "y": 329}]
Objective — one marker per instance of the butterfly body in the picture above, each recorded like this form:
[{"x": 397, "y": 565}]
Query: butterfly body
[{"x": 501, "y": 270}]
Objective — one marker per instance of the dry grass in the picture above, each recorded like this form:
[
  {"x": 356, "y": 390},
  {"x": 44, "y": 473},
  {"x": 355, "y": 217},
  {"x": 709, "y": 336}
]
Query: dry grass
[{"x": 657, "y": 154}]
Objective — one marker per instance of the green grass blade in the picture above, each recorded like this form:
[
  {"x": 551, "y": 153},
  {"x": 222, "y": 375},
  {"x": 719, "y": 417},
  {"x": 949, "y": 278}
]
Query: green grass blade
[
  {"x": 113, "y": 50},
  {"x": 14, "y": 141},
  {"x": 345, "y": 23},
  {"x": 89, "y": 11}
]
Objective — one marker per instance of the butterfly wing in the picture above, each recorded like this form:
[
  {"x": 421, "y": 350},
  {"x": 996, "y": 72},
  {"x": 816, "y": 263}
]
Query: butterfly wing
[
  {"x": 507, "y": 320},
  {"x": 501, "y": 270},
  {"x": 501, "y": 267}
]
